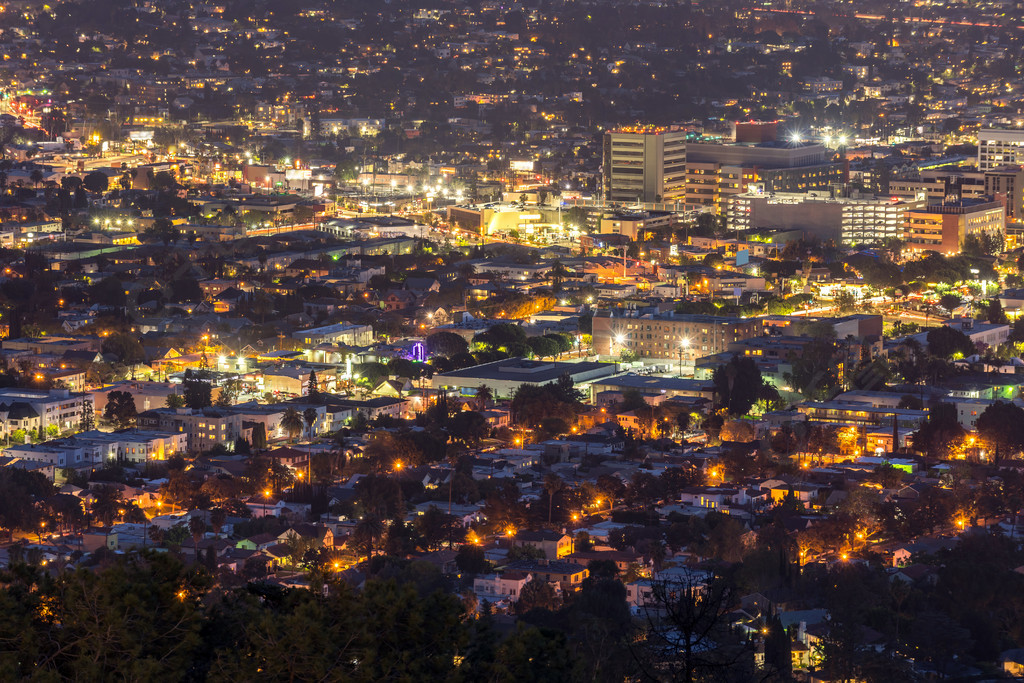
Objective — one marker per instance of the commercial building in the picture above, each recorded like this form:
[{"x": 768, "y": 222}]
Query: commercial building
[
  {"x": 936, "y": 184},
  {"x": 505, "y": 376},
  {"x": 943, "y": 227},
  {"x": 997, "y": 148},
  {"x": 634, "y": 224},
  {"x": 488, "y": 219},
  {"x": 645, "y": 164},
  {"x": 668, "y": 336},
  {"x": 715, "y": 171},
  {"x": 669, "y": 387},
  {"x": 1004, "y": 184},
  {"x": 339, "y": 333},
  {"x": 827, "y": 216}
]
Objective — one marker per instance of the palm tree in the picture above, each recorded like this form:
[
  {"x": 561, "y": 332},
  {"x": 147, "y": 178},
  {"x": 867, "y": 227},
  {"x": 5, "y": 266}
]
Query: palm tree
[
  {"x": 107, "y": 502},
  {"x": 197, "y": 527},
  {"x": 291, "y": 422},
  {"x": 557, "y": 274},
  {"x": 217, "y": 518},
  {"x": 309, "y": 414},
  {"x": 370, "y": 528},
  {"x": 552, "y": 484},
  {"x": 484, "y": 396}
]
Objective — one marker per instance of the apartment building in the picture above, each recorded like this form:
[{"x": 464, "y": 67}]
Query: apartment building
[
  {"x": 668, "y": 336},
  {"x": 39, "y": 410},
  {"x": 205, "y": 428}
]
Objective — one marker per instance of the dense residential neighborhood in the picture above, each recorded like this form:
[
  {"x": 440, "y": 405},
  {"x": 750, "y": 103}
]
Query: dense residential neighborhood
[{"x": 476, "y": 341}]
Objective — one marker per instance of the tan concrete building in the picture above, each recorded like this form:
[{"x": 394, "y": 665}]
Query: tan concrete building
[
  {"x": 668, "y": 336},
  {"x": 645, "y": 164},
  {"x": 943, "y": 227}
]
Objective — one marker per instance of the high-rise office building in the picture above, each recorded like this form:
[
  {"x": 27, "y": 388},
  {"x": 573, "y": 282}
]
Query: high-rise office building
[
  {"x": 1000, "y": 148},
  {"x": 644, "y": 164}
]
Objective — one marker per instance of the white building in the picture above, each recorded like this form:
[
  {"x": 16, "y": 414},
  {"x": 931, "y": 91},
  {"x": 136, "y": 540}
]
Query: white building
[
  {"x": 498, "y": 587},
  {"x": 1000, "y": 148},
  {"x": 33, "y": 410},
  {"x": 339, "y": 333},
  {"x": 854, "y": 219}
]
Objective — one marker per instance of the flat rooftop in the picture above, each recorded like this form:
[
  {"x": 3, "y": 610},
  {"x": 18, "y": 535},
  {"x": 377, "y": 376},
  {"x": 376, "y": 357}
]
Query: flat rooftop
[
  {"x": 646, "y": 383},
  {"x": 523, "y": 370}
]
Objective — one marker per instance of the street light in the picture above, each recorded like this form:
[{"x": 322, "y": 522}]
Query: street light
[{"x": 619, "y": 339}]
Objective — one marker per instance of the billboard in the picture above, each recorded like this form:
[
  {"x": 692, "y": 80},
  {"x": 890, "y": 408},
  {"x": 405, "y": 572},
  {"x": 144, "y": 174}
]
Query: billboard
[{"x": 525, "y": 165}]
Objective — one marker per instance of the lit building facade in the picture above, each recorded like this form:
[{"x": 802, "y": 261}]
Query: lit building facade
[
  {"x": 645, "y": 164},
  {"x": 997, "y": 148},
  {"x": 668, "y": 336},
  {"x": 943, "y": 227}
]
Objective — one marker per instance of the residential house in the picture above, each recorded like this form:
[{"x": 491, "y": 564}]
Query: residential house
[
  {"x": 568, "y": 575},
  {"x": 507, "y": 586},
  {"x": 555, "y": 545}
]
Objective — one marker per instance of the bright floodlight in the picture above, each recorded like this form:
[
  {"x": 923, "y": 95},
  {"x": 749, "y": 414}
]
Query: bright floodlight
[
  {"x": 794, "y": 137},
  {"x": 619, "y": 338},
  {"x": 842, "y": 140}
]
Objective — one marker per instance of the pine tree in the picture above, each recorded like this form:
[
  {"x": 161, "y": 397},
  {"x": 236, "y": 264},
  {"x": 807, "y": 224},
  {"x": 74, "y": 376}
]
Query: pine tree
[{"x": 88, "y": 420}]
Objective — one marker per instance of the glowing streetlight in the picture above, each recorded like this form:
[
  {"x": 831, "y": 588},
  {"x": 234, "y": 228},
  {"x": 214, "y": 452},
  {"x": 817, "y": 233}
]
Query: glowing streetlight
[{"x": 684, "y": 346}]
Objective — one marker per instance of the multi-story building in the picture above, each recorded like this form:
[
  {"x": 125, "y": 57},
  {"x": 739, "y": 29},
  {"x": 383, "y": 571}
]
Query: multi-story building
[
  {"x": 827, "y": 216},
  {"x": 339, "y": 333},
  {"x": 997, "y": 148},
  {"x": 715, "y": 171},
  {"x": 936, "y": 184},
  {"x": 39, "y": 410},
  {"x": 94, "y": 448},
  {"x": 668, "y": 336},
  {"x": 633, "y": 225},
  {"x": 943, "y": 227},
  {"x": 205, "y": 428},
  {"x": 645, "y": 164},
  {"x": 1005, "y": 184}
]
